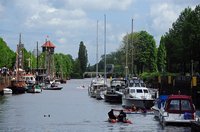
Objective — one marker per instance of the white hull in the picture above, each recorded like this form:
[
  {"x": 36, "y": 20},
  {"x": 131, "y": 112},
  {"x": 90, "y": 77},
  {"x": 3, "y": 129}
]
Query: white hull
[
  {"x": 156, "y": 111},
  {"x": 139, "y": 103},
  {"x": 7, "y": 91}
]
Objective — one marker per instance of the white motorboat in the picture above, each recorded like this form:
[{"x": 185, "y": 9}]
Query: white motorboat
[
  {"x": 97, "y": 88},
  {"x": 116, "y": 85},
  {"x": 7, "y": 91},
  {"x": 138, "y": 95},
  {"x": 33, "y": 88},
  {"x": 178, "y": 109}
]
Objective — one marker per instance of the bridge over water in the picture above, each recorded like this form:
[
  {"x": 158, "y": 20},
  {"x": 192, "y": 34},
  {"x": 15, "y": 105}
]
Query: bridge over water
[{"x": 92, "y": 74}]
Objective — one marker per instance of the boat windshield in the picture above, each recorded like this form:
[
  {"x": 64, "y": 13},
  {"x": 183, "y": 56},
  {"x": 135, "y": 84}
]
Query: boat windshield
[
  {"x": 139, "y": 91},
  {"x": 132, "y": 91},
  {"x": 145, "y": 91},
  {"x": 175, "y": 105},
  {"x": 185, "y": 105},
  {"x": 142, "y": 84}
]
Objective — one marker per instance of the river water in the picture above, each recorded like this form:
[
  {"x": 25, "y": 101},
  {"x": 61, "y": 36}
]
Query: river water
[{"x": 69, "y": 110}]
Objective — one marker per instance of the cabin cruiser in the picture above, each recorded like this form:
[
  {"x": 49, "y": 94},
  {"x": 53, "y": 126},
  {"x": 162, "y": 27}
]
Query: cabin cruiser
[
  {"x": 97, "y": 88},
  {"x": 113, "y": 93},
  {"x": 137, "y": 94},
  {"x": 178, "y": 109}
]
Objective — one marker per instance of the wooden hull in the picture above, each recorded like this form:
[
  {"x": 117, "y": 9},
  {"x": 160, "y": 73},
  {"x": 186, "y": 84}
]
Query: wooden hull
[{"x": 17, "y": 87}]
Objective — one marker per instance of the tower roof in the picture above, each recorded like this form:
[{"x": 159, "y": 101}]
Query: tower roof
[{"x": 48, "y": 44}]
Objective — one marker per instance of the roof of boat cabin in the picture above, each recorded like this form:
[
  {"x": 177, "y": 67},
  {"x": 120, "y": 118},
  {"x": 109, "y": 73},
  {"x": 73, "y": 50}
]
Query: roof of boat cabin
[{"x": 179, "y": 97}]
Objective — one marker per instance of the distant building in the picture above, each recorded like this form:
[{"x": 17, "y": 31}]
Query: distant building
[{"x": 48, "y": 48}]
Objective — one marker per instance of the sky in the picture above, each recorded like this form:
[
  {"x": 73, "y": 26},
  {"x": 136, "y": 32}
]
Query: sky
[{"x": 68, "y": 22}]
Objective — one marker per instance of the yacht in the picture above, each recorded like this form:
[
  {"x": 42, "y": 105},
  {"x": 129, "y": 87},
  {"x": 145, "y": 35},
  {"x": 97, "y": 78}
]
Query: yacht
[
  {"x": 113, "y": 93},
  {"x": 97, "y": 88},
  {"x": 138, "y": 95}
]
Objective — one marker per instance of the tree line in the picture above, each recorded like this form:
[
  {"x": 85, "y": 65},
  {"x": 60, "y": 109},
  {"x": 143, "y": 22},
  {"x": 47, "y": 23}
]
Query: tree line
[{"x": 65, "y": 66}]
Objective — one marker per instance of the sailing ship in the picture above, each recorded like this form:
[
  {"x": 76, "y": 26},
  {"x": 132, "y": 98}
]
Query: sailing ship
[{"x": 18, "y": 84}]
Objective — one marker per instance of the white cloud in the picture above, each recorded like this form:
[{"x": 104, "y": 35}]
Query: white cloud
[
  {"x": 68, "y": 22},
  {"x": 163, "y": 15},
  {"x": 101, "y": 4}
]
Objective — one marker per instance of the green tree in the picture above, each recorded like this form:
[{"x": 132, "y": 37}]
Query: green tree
[
  {"x": 7, "y": 56},
  {"x": 63, "y": 65},
  {"x": 76, "y": 69},
  {"x": 82, "y": 57},
  {"x": 161, "y": 56},
  {"x": 142, "y": 49},
  {"x": 182, "y": 41}
]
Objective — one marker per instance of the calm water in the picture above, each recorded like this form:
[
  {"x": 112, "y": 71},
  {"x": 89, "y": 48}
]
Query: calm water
[{"x": 68, "y": 110}]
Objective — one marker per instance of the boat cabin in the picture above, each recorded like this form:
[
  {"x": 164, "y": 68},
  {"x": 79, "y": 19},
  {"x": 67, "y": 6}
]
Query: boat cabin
[
  {"x": 137, "y": 89},
  {"x": 29, "y": 78},
  {"x": 118, "y": 84},
  {"x": 178, "y": 109},
  {"x": 179, "y": 104}
]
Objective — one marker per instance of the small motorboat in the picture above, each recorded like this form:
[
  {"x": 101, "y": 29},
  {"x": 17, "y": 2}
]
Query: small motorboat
[
  {"x": 7, "y": 91},
  {"x": 33, "y": 88},
  {"x": 53, "y": 86},
  {"x": 178, "y": 109}
]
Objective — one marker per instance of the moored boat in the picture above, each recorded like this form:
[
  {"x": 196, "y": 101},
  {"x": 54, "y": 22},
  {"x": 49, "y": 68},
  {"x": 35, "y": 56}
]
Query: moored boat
[
  {"x": 33, "y": 88},
  {"x": 137, "y": 94},
  {"x": 112, "y": 93},
  {"x": 7, "y": 91},
  {"x": 17, "y": 86},
  {"x": 97, "y": 88},
  {"x": 178, "y": 109},
  {"x": 53, "y": 86},
  {"x": 29, "y": 78}
]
